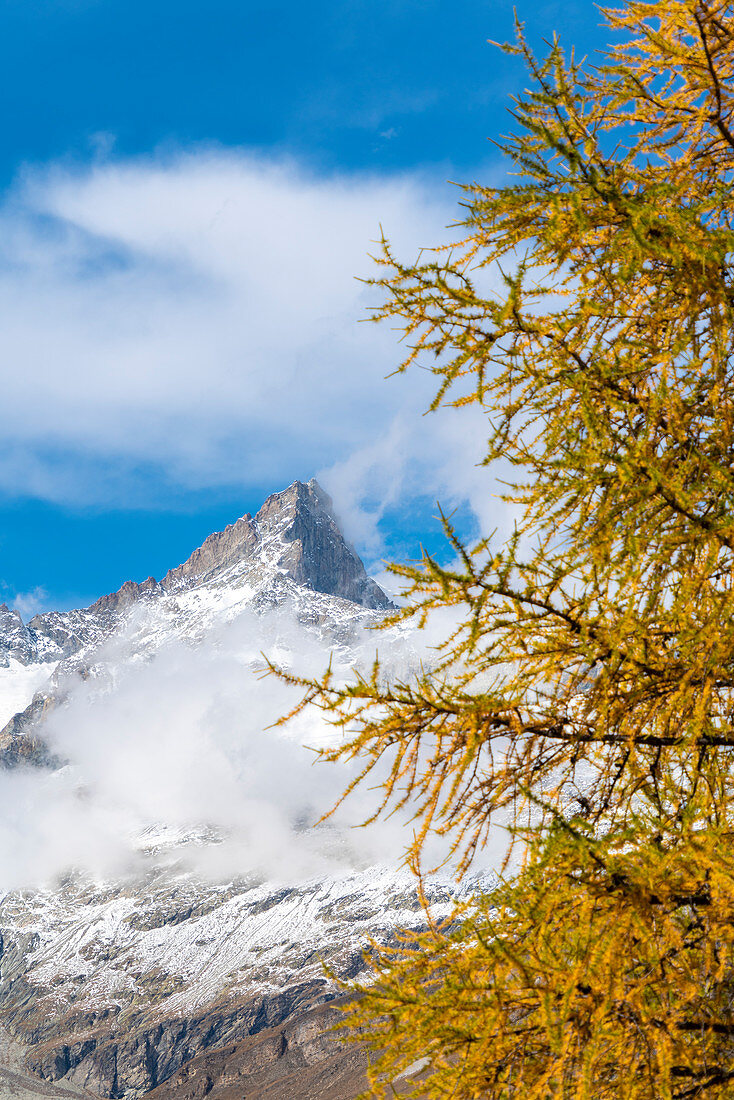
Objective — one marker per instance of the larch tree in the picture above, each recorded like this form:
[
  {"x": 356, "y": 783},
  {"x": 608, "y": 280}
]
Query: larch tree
[{"x": 587, "y": 697}]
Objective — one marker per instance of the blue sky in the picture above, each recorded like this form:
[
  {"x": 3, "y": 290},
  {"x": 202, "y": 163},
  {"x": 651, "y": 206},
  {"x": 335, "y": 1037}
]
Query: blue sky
[{"x": 187, "y": 193}]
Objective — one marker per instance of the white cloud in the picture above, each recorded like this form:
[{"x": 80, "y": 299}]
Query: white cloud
[
  {"x": 30, "y": 603},
  {"x": 196, "y": 318},
  {"x": 179, "y": 741}
]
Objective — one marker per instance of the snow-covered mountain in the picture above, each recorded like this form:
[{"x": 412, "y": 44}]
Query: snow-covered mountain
[
  {"x": 291, "y": 554},
  {"x": 132, "y": 732}
]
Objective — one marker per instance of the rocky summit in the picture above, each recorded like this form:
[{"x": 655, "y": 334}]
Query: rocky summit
[
  {"x": 291, "y": 548},
  {"x": 295, "y": 533},
  {"x": 175, "y": 974}
]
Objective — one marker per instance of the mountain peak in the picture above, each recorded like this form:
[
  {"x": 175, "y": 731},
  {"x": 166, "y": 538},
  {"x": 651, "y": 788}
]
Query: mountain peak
[
  {"x": 294, "y": 531},
  {"x": 300, "y": 534},
  {"x": 294, "y": 534}
]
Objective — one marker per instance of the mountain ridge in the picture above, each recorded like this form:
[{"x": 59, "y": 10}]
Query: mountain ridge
[
  {"x": 294, "y": 532},
  {"x": 114, "y": 987}
]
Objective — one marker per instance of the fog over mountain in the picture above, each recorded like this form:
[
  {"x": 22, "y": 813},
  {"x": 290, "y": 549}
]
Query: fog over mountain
[
  {"x": 152, "y": 706},
  {"x": 166, "y": 891}
]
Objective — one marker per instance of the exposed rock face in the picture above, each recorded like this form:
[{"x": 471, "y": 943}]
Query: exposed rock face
[
  {"x": 237, "y": 541},
  {"x": 302, "y": 1058},
  {"x": 56, "y": 635},
  {"x": 20, "y": 740},
  {"x": 16, "y": 640},
  {"x": 113, "y": 1061},
  {"x": 126, "y": 595},
  {"x": 314, "y": 552},
  {"x": 306, "y": 1058},
  {"x": 294, "y": 531}
]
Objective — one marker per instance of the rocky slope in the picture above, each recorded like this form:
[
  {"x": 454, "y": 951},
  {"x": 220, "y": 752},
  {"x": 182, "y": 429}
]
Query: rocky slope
[
  {"x": 305, "y": 1058},
  {"x": 299, "y": 1058},
  {"x": 159, "y": 979},
  {"x": 114, "y": 991}
]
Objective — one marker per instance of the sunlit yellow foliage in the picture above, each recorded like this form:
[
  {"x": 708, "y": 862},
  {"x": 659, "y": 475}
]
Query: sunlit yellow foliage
[{"x": 588, "y": 695}]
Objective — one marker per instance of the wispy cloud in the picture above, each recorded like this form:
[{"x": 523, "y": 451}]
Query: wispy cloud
[
  {"x": 29, "y": 603},
  {"x": 193, "y": 321}
]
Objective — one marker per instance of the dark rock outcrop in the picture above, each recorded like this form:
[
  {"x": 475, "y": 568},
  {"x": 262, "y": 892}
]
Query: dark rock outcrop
[
  {"x": 313, "y": 550},
  {"x": 307, "y": 1058},
  {"x": 21, "y": 742},
  {"x": 302, "y": 1058},
  {"x": 119, "y": 1054}
]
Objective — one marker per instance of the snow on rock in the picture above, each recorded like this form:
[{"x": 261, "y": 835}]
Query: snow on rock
[
  {"x": 19, "y": 683},
  {"x": 115, "y": 982}
]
